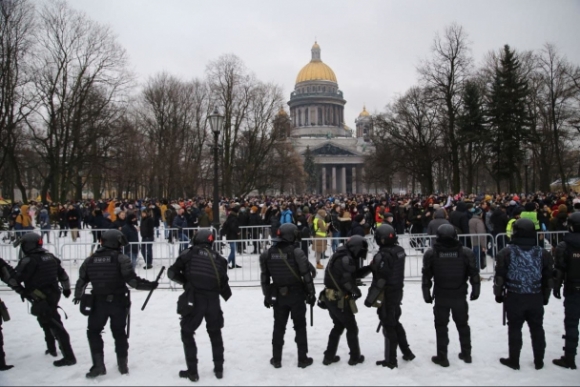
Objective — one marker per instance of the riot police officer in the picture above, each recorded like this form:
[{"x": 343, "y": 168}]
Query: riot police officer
[
  {"x": 524, "y": 281},
  {"x": 109, "y": 272},
  {"x": 291, "y": 285},
  {"x": 203, "y": 274},
  {"x": 340, "y": 295},
  {"x": 41, "y": 272},
  {"x": 386, "y": 293},
  {"x": 567, "y": 271},
  {"x": 450, "y": 265},
  {"x": 8, "y": 276}
]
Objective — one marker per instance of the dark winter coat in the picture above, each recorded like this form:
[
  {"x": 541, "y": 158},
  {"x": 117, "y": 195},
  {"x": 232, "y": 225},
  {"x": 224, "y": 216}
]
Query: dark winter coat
[
  {"x": 132, "y": 235},
  {"x": 499, "y": 221},
  {"x": 460, "y": 219},
  {"x": 232, "y": 227},
  {"x": 356, "y": 229},
  {"x": 147, "y": 228},
  {"x": 73, "y": 219},
  {"x": 438, "y": 220}
]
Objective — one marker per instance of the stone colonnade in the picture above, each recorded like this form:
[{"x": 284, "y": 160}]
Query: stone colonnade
[{"x": 345, "y": 178}]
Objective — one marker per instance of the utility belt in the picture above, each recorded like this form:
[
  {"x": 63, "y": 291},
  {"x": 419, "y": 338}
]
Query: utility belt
[
  {"x": 88, "y": 301},
  {"x": 284, "y": 291},
  {"x": 338, "y": 296}
]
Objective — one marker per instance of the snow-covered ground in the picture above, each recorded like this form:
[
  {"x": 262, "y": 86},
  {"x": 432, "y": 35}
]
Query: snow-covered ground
[{"x": 156, "y": 354}]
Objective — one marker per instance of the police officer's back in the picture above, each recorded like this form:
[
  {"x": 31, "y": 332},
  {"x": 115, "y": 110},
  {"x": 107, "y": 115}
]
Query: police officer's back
[
  {"x": 109, "y": 272},
  {"x": 450, "y": 265},
  {"x": 41, "y": 273},
  {"x": 524, "y": 281},
  {"x": 341, "y": 293},
  {"x": 291, "y": 285},
  {"x": 203, "y": 274},
  {"x": 567, "y": 271},
  {"x": 388, "y": 267}
]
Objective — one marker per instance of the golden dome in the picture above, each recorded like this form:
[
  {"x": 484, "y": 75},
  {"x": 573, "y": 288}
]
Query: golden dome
[
  {"x": 316, "y": 70},
  {"x": 364, "y": 113},
  {"x": 282, "y": 112}
]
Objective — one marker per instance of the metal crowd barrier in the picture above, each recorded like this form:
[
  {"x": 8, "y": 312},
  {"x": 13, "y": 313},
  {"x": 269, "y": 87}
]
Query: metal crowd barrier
[{"x": 248, "y": 251}]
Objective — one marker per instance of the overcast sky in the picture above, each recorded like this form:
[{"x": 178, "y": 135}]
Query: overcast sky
[{"x": 373, "y": 46}]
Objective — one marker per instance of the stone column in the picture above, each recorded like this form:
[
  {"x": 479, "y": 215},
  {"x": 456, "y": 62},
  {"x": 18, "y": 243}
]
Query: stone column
[
  {"x": 343, "y": 183},
  {"x": 323, "y": 180},
  {"x": 333, "y": 179},
  {"x": 353, "y": 169}
]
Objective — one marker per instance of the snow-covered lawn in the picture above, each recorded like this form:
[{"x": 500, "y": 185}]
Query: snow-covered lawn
[{"x": 156, "y": 354}]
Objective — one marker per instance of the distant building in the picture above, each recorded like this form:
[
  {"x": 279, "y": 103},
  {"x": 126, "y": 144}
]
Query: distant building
[{"x": 317, "y": 116}]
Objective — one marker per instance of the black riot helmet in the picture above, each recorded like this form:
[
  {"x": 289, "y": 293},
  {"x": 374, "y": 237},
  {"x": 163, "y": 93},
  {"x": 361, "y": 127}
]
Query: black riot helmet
[
  {"x": 446, "y": 232},
  {"x": 113, "y": 239},
  {"x": 288, "y": 232},
  {"x": 203, "y": 237},
  {"x": 358, "y": 246},
  {"x": 524, "y": 228},
  {"x": 385, "y": 235},
  {"x": 574, "y": 222},
  {"x": 29, "y": 243}
]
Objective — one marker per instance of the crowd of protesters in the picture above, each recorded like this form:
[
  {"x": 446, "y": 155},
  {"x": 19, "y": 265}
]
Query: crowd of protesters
[{"x": 327, "y": 218}]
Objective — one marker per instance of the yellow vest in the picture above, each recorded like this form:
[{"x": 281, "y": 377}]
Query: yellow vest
[{"x": 319, "y": 234}]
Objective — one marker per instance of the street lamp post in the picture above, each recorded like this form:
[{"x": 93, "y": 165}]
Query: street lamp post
[
  {"x": 400, "y": 187},
  {"x": 216, "y": 121},
  {"x": 80, "y": 175},
  {"x": 526, "y": 172}
]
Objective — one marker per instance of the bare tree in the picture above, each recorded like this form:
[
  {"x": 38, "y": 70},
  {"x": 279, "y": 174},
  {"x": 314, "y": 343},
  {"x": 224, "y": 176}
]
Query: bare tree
[
  {"x": 446, "y": 73},
  {"x": 559, "y": 91},
  {"x": 80, "y": 71},
  {"x": 411, "y": 130},
  {"x": 16, "y": 45},
  {"x": 173, "y": 116},
  {"x": 249, "y": 108}
]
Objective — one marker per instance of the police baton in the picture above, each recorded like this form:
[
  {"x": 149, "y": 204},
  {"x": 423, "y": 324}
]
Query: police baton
[
  {"x": 151, "y": 291},
  {"x": 311, "y": 315},
  {"x": 379, "y": 326},
  {"x": 504, "y": 310}
]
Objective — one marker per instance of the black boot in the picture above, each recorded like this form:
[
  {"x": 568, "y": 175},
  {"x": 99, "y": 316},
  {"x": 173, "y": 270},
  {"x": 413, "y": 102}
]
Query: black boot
[
  {"x": 407, "y": 354},
  {"x": 305, "y": 362},
  {"x": 191, "y": 375},
  {"x": 440, "y": 360},
  {"x": 511, "y": 363},
  {"x": 389, "y": 364},
  {"x": 328, "y": 361},
  {"x": 465, "y": 357},
  {"x": 566, "y": 361},
  {"x": 277, "y": 363},
  {"x": 218, "y": 370},
  {"x": 3, "y": 365},
  {"x": 51, "y": 352},
  {"x": 65, "y": 361},
  {"x": 98, "y": 367},
  {"x": 356, "y": 360},
  {"x": 122, "y": 364}
]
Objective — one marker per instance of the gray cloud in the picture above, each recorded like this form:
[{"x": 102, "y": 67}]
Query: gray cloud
[{"x": 373, "y": 46}]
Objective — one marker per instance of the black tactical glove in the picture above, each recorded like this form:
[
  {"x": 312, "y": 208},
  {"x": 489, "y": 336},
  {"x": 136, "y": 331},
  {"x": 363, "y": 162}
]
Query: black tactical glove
[
  {"x": 66, "y": 293},
  {"x": 268, "y": 301},
  {"x": 76, "y": 301},
  {"x": 499, "y": 299},
  {"x": 427, "y": 295},
  {"x": 557, "y": 293},
  {"x": 355, "y": 294},
  {"x": 368, "y": 304},
  {"x": 475, "y": 292},
  {"x": 311, "y": 299}
]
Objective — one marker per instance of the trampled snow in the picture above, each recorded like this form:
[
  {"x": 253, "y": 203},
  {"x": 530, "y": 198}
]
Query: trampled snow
[{"x": 156, "y": 354}]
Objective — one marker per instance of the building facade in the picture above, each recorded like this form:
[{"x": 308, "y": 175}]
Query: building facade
[{"x": 317, "y": 116}]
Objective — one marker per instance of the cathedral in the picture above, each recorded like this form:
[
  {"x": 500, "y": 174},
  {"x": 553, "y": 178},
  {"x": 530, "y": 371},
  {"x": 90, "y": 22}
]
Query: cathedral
[{"x": 317, "y": 116}]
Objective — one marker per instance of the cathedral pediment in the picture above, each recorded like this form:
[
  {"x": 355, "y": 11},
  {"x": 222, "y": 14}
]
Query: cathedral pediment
[{"x": 330, "y": 149}]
